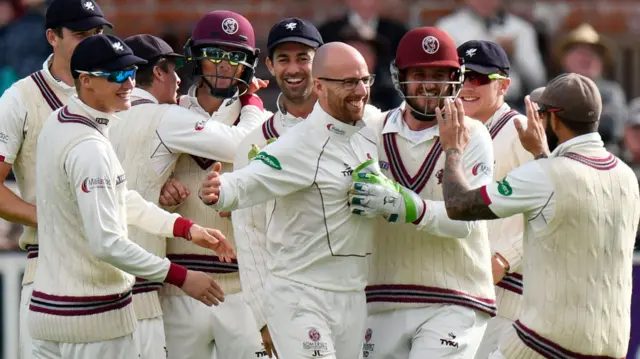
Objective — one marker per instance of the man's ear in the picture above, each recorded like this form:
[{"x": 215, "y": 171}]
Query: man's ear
[
  {"x": 269, "y": 63},
  {"x": 504, "y": 86},
  {"x": 159, "y": 74}
]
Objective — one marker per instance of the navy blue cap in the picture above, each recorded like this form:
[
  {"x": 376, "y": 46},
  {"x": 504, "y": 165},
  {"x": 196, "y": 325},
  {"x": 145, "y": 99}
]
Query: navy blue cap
[
  {"x": 75, "y": 15},
  {"x": 102, "y": 53},
  {"x": 149, "y": 47},
  {"x": 294, "y": 29},
  {"x": 484, "y": 57}
]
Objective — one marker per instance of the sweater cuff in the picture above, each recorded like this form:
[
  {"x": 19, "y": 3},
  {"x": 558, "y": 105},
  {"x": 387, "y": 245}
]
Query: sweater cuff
[
  {"x": 181, "y": 228},
  {"x": 512, "y": 256},
  {"x": 251, "y": 99},
  {"x": 177, "y": 275}
]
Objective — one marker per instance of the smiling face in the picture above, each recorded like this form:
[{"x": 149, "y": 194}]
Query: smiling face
[
  {"x": 104, "y": 95},
  {"x": 425, "y": 88},
  {"x": 482, "y": 96},
  {"x": 291, "y": 66}
]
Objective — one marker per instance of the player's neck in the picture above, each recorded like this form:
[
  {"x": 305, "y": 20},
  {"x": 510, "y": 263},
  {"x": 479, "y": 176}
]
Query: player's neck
[
  {"x": 94, "y": 103},
  {"x": 484, "y": 116},
  {"x": 416, "y": 125},
  {"x": 59, "y": 69},
  {"x": 299, "y": 109},
  {"x": 209, "y": 103},
  {"x": 156, "y": 92}
]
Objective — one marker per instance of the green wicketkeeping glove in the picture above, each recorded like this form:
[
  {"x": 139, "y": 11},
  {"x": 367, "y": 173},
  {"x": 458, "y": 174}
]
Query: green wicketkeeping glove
[{"x": 373, "y": 194}]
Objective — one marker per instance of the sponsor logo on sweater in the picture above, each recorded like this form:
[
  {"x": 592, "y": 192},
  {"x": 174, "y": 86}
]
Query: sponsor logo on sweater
[
  {"x": 4, "y": 138},
  {"x": 91, "y": 183},
  {"x": 481, "y": 168},
  {"x": 268, "y": 160},
  {"x": 504, "y": 188}
]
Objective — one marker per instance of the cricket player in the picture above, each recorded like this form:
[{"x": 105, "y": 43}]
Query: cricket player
[
  {"x": 223, "y": 55},
  {"x": 430, "y": 292},
  {"x": 148, "y": 141},
  {"x": 291, "y": 45},
  {"x": 81, "y": 303},
  {"x": 23, "y": 109},
  {"x": 314, "y": 301},
  {"x": 486, "y": 81},
  {"x": 581, "y": 206}
]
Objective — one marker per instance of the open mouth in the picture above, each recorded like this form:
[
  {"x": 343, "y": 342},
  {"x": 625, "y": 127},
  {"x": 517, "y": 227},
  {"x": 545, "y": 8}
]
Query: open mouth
[
  {"x": 355, "y": 104},
  {"x": 124, "y": 95},
  {"x": 294, "y": 81},
  {"x": 470, "y": 98}
]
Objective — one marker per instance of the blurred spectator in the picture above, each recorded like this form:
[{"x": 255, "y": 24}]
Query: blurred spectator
[
  {"x": 364, "y": 18},
  {"x": 383, "y": 93},
  {"x": 23, "y": 45},
  {"x": 586, "y": 52},
  {"x": 489, "y": 20},
  {"x": 631, "y": 153}
]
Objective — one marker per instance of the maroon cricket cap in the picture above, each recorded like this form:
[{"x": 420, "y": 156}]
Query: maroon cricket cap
[{"x": 573, "y": 97}]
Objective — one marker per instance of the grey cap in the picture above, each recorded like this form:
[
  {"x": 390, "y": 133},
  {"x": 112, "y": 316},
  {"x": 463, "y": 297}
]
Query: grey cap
[
  {"x": 535, "y": 94},
  {"x": 572, "y": 97}
]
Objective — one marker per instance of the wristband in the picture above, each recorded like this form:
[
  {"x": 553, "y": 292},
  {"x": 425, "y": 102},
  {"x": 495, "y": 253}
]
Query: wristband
[{"x": 182, "y": 228}]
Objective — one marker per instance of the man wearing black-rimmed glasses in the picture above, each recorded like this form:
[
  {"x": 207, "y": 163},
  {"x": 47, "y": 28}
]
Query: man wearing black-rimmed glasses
[{"x": 314, "y": 294}]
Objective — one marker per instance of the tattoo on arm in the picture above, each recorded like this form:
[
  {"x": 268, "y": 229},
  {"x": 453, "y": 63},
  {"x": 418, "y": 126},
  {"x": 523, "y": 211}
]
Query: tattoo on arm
[{"x": 462, "y": 203}]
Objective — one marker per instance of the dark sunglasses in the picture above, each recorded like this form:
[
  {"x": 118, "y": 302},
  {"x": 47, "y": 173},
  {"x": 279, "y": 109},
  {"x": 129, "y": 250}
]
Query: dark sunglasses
[
  {"x": 542, "y": 109},
  {"x": 216, "y": 55},
  {"x": 478, "y": 79},
  {"x": 118, "y": 76}
]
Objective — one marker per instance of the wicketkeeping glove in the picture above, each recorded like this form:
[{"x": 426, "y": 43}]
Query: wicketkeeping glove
[{"x": 373, "y": 194}]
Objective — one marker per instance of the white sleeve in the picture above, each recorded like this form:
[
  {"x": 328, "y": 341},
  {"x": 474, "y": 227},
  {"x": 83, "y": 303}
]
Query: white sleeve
[
  {"x": 478, "y": 168},
  {"x": 99, "y": 210},
  {"x": 526, "y": 189},
  {"x": 13, "y": 116},
  {"x": 283, "y": 167},
  {"x": 149, "y": 217},
  {"x": 184, "y": 131},
  {"x": 250, "y": 234}
]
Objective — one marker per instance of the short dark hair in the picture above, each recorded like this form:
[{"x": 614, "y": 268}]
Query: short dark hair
[
  {"x": 58, "y": 31},
  {"x": 578, "y": 127},
  {"x": 144, "y": 75}
]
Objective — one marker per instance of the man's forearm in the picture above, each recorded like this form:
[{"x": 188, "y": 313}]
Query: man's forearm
[
  {"x": 16, "y": 210},
  {"x": 461, "y": 201}
]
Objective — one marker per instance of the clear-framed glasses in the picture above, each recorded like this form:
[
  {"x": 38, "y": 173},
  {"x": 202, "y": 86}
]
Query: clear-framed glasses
[{"x": 352, "y": 83}]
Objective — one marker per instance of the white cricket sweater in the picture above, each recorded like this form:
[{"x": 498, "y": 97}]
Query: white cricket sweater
[
  {"x": 81, "y": 292},
  {"x": 440, "y": 260},
  {"x": 190, "y": 171},
  {"x": 24, "y": 107},
  {"x": 505, "y": 235}
]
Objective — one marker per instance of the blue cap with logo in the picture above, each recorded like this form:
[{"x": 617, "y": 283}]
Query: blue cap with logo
[
  {"x": 102, "y": 53},
  {"x": 294, "y": 29},
  {"x": 485, "y": 57},
  {"x": 75, "y": 15}
]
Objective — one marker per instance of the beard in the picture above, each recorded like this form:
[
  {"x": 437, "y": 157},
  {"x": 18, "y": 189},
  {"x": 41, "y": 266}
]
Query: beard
[
  {"x": 552, "y": 139},
  {"x": 344, "y": 111},
  {"x": 295, "y": 95}
]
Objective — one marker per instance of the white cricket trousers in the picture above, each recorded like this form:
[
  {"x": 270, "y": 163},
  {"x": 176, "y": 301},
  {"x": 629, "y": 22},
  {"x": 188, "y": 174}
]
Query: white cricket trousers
[
  {"x": 152, "y": 340},
  {"x": 25, "y": 347},
  {"x": 496, "y": 329},
  {"x": 307, "y": 322},
  {"x": 517, "y": 348},
  {"x": 120, "y": 348},
  {"x": 195, "y": 331},
  {"x": 438, "y": 331}
]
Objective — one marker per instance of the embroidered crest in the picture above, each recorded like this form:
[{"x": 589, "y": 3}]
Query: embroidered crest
[
  {"x": 230, "y": 26},
  {"x": 430, "y": 45}
]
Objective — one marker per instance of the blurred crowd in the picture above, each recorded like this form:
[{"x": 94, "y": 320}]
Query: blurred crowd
[{"x": 535, "y": 56}]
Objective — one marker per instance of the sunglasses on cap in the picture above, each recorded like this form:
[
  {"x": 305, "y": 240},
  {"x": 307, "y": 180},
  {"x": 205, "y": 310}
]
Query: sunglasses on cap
[
  {"x": 216, "y": 55},
  {"x": 118, "y": 76},
  {"x": 478, "y": 79},
  {"x": 543, "y": 109}
]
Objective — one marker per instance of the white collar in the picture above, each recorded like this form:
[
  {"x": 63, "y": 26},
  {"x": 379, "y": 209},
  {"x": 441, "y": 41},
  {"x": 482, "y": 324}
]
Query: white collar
[
  {"x": 589, "y": 140},
  {"x": 193, "y": 99},
  {"x": 395, "y": 124},
  {"x": 496, "y": 115},
  {"x": 335, "y": 127},
  {"x": 52, "y": 80},
  {"x": 287, "y": 118},
  {"x": 101, "y": 119},
  {"x": 143, "y": 94}
]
